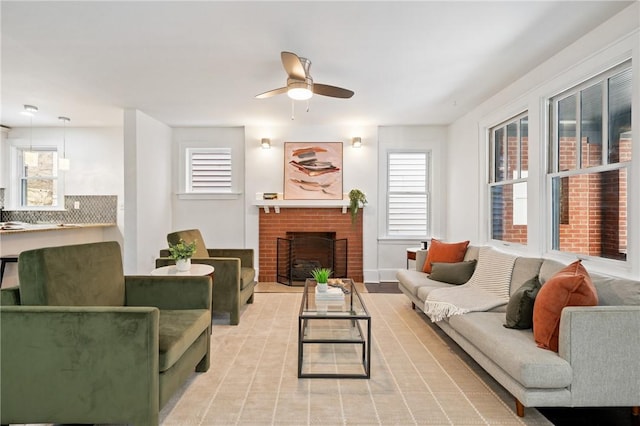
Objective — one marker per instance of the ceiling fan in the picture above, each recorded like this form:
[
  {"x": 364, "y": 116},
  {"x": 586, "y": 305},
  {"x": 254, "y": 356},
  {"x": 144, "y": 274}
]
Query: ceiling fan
[{"x": 300, "y": 85}]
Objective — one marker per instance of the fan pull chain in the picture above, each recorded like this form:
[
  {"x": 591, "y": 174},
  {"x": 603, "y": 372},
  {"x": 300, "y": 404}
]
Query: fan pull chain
[
  {"x": 308, "y": 104},
  {"x": 293, "y": 110}
]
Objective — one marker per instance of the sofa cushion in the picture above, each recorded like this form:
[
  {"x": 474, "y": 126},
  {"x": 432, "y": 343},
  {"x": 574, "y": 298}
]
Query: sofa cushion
[
  {"x": 453, "y": 273},
  {"x": 430, "y": 285},
  {"x": 524, "y": 269},
  {"x": 74, "y": 275},
  {"x": 413, "y": 280},
  {"x": 247, "y": 276},
  {"x": 570, "y": 286},
  {"x": 178, "y": 330},
  {"x": 548, "y": 269},
  {"x": 444, "y": 252},
  {"x": 514, "y": 351},
  {"x": 520, "y": 307},
  {"x": 614, "y": 291}
]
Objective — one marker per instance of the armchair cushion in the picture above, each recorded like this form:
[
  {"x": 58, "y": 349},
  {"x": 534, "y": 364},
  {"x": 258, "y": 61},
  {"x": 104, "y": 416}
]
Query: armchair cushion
[
  {"x": 178, "y": 330},
  {"x": 50, "y": 276},
  {"x": 247, "y": 277}
]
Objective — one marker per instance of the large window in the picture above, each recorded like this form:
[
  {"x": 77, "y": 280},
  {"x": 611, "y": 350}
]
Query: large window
[
  {"x": 590, "y": 158},
  {"x": 408, "y": 194},
  {"x": 509, "y": 168},
  {"x": 37, "y": 183}
]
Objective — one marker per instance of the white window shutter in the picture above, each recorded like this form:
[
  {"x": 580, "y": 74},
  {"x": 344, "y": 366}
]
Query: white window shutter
[
  {"x": 209, "y": 170},
  {"x": 408, "y": 197}
]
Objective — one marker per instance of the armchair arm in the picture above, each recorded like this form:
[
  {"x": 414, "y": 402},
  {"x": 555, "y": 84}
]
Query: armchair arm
[
  {"x": 170, "y": 292},
  {"x": 79, "y": 364},
  {"x": 226, "y": 279},
  {"x": 10, "y": 296},
  {"x": 601, "y": 344},
  {"x": 245, "y": 255}
]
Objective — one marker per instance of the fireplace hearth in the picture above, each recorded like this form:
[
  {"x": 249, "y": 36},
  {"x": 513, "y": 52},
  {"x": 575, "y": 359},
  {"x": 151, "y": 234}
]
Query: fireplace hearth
[{"x": 301, "y": 252}]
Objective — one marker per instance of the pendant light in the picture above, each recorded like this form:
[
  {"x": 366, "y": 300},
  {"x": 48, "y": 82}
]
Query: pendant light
[
  {"x": 30, "y": 160},
  {"x": 63, "y": 162}
]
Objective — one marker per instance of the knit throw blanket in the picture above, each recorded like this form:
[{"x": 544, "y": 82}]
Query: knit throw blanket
[{"x": 487, "y": 288}]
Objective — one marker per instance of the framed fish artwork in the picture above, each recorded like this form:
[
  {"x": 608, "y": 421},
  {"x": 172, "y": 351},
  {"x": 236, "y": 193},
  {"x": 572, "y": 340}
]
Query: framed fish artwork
[{"x": 313, "y": 170}]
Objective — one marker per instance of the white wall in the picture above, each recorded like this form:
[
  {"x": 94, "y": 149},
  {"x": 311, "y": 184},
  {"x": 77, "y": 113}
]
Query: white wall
[
  {"x": 392, "y": 253},
  {"x": 265, "y": 173},
  {"x": 147, "y": 216},
  {"x": 613, "y": 42},
  {"x": 219, "y": 218}
]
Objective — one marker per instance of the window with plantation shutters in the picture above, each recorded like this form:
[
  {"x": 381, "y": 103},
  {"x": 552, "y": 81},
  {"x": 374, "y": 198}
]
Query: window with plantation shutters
[
  {"x": 408, "y": 194},
  {"x": 209, "y": 170}
]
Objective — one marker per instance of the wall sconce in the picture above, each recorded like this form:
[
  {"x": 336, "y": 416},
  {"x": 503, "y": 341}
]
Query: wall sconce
[
  {"x": 356, "y": 142},
  {"x": 265, "y": 143}
]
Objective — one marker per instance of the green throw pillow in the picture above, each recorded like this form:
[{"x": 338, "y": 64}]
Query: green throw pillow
[
  {"x": 453, "y": 273},
  {"x": 520, "y": 306}
]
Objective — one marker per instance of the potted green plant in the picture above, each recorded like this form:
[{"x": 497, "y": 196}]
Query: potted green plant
[
  {"x": 182, "y": 253},
  {"x": 321, "y": 275},
  {"x": 357, "y": 199}
]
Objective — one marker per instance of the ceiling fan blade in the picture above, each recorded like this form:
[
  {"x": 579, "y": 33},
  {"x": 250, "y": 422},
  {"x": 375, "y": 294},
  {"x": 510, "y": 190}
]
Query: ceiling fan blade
[
  {"x": 271, "y": 93},
  {"x": 293, "y": 66},
  {"x": 333, "y": 91}
]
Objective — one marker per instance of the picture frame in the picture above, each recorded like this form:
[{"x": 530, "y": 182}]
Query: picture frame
[{"x": 313, "y": 171}]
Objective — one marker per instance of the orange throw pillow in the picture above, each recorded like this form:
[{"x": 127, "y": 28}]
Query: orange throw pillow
[
  {"x": 444, "y": 253},
  {"x": 570, "y": 286}
]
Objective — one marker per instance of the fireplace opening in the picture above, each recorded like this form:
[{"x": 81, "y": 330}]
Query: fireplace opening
[{"x": 301, "y": 252}]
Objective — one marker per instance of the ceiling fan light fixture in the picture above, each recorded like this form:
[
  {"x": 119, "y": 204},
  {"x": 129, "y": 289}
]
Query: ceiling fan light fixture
[{"x": 299, "y": 90}]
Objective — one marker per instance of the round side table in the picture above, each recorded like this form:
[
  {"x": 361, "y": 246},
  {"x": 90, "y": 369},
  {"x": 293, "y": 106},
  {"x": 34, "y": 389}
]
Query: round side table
[{"x": 196, "y": 269}]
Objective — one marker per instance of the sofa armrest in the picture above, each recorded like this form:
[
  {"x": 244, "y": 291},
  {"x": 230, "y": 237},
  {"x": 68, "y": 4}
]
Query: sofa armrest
[
  {"x": 168, "y": 292},
  {"x": 10, "y": 296},
  {"x": 601, "y": 343},
  {"x": 79, "y": 364},
  {"x": 421, "y": 256}
]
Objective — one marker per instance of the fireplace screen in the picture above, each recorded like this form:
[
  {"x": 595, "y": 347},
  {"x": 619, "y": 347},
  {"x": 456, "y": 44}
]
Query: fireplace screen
[{"x": 298, "y": 255}]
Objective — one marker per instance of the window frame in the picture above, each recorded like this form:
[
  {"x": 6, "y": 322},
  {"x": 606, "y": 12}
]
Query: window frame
[
  {"x": 492, "y": 171},
  {"x": 427, "y": 193},
  {"x": 16, "y": 161},
  {"x": 183, "y": 170},
  {"x": 551, "y": 148},
  {"x": 191, "y": 152}
]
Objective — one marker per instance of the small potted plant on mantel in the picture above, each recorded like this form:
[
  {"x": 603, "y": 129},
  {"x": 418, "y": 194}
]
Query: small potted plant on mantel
[
  {"x": 357, "y": 199},
  {"x": 182, "y": 253},
  {"x": 321, "y": 275}
]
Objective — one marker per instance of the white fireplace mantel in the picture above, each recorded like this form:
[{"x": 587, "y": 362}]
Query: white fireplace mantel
[{"x": 280, "y": 203}]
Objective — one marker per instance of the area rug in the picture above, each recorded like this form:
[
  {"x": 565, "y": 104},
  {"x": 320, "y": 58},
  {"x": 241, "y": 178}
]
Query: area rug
[{"x": 417, "y": 377}]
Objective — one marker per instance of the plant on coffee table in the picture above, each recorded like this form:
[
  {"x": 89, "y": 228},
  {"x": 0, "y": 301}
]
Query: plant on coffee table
[{"x": 321, "y": 275}]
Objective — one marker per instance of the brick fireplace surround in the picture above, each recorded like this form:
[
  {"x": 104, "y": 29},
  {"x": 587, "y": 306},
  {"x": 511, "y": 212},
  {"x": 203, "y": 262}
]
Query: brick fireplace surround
[{"x": 276, "y": 225}]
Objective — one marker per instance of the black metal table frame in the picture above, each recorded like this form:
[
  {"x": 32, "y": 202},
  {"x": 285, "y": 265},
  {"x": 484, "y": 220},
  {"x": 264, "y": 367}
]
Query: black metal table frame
[{"x": 303, "y": 320}]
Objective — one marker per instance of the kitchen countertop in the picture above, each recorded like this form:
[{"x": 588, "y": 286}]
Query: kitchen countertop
[{"x": 30, "y": 227}]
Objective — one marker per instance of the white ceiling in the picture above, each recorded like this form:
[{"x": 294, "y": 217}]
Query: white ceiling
[{"x": 201, "y": 63}]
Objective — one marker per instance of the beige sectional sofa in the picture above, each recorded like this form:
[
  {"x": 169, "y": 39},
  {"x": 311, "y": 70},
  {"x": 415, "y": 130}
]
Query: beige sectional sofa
[{"x": 598, "y": 362}]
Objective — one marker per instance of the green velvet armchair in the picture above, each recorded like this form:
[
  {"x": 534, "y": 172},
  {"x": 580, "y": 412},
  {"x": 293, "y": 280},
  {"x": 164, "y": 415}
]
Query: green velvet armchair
[
  {"x": 82, "y": 343},
  {"x": 234, "y": 276}
]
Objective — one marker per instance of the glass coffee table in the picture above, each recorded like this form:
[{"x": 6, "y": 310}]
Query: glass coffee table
[{"x": 334, "y": 336}]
